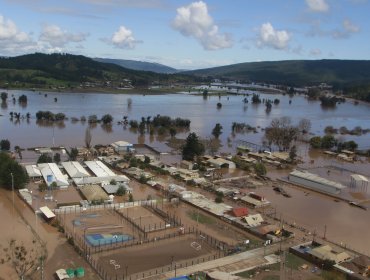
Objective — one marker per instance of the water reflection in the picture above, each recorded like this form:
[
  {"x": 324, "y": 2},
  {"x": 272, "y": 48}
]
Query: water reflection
[
  {"x": 4, "y": 105},
  {"x": 107, "y": 128}
]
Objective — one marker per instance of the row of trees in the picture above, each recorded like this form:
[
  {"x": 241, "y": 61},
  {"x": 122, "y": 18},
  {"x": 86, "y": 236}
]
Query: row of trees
[
  {"x": 9, "y": 166},
  {"x": 49, "y": 116},
  {"x": 21, "y": 99},
  {"x": 329, "y": 142}
]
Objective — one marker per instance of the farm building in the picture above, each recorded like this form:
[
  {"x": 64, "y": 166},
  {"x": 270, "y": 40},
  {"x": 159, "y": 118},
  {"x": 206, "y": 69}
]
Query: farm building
[
  {"x": 48, "y": 214},
  {"x": 359, "y": 182},
  {"x": 123, "y": 147},
  {"x": 100, "y": 180},
  {"x": 75, "y": 169},
  {"x": 52, "y": 173},
  {"x": 255, "y": 200},
  {"x": 94, "y": 193},
  {"x": 99, "y": 168},
  {"x": 254, "y": 220},
  {"x": 112, "y": 189},
  {"x": 315, "y": 182},
  {"x": 326, "y": 252},
  {"x": 33, "y": 171},
  {"x": 218, "y": 162}
]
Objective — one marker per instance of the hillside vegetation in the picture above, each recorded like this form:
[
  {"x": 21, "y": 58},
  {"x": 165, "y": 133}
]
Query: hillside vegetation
[
  {"x": 139, "y": 65},
  {"x": 42, "y": 70},
  {"x": 295, "y": 72}
]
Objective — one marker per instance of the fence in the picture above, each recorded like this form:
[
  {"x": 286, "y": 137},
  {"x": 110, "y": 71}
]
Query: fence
[
  {"x": 221, "y": 247},
  {"x": 88, "y": 252}
]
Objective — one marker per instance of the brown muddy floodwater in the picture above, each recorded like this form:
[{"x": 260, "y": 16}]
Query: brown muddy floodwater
[
  {"x": 344, "y": 223},
  {"x": 203, "y": 114}
]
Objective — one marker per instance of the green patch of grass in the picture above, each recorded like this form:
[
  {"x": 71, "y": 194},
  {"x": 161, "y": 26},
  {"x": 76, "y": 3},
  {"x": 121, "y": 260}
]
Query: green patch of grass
[
  {"x": 200, "y": 217},
  {"x": 294, "y": 262}
]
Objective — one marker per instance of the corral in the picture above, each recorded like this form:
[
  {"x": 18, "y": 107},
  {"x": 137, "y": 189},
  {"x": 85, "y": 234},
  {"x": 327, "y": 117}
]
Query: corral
[
  {"x": 156, "y": 257},
  {"x": 136, "y": 240}
]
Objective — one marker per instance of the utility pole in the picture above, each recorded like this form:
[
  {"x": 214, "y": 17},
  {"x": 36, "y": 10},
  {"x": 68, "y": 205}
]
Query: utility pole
[
  {"x": 325, "y": 232},
  {"x": 11, "y": 174}
]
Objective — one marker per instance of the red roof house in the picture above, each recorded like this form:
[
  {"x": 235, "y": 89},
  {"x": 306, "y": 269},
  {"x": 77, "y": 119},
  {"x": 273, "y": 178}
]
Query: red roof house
[{"x": 239, "y": 211}]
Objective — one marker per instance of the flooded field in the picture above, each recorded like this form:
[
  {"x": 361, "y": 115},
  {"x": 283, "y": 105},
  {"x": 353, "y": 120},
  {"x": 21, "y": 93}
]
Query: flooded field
[
  {"x": 340, "y": 222},
  {"x": 203, "y": 114}
]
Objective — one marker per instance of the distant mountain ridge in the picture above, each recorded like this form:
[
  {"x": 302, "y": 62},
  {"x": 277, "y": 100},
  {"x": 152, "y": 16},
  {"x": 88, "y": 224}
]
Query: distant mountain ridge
[
  {"x": 294, "y": 72},
  {"x": 139, "y": 65}
]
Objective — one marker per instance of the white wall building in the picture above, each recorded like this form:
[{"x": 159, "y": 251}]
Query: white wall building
[{"x": 315, "y": 182}]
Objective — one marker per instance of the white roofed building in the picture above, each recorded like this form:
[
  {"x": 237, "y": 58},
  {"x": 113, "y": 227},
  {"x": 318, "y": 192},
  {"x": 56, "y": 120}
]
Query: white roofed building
[
  {"x": 123, "y": 147},
  {"x": 33, "y": 171},
  {"x": 52, "y": 173},
  {"x": 99, "y": 168},
  {"x": 75, "y": 169},
  {"x": 315, "y": 182}
]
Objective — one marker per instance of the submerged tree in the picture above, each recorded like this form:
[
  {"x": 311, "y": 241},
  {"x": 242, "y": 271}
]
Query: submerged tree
[
  {"x": 281, "y": 133},
  {"x": 23, "y": 260},
  {"x": 192, "y": 148},
  {"x": 217, "y": 130}
]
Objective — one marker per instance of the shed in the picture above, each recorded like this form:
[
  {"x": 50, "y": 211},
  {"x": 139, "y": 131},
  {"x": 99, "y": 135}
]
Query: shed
[
  {"x": 47, "y": 212},
  {"x": 93, "y": 193},
  {"x": 359, "y": 182},
  {"x": 33, "y": 171},
  {"x": 62, "y": 274},
  {"x": 326, "y": 252},
  {"x": 75, "y": 169},
  {"x": 315, "y": 182},
  {"x": 123, "y": 146},
  {"x": 112, "y": 189},
  {"x": 253, "y": 220}
]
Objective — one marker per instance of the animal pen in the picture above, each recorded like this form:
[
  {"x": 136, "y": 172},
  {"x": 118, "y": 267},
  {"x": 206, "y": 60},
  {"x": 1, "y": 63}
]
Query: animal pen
[{"x": 135, "y": 240}]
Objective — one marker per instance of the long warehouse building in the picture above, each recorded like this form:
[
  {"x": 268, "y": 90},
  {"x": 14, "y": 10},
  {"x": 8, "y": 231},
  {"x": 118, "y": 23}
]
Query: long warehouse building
[{"x": 315, "y": 182}]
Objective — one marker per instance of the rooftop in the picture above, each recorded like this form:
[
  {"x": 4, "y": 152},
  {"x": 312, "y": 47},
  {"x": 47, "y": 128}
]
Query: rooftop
[{"x": 315, "y": 178}]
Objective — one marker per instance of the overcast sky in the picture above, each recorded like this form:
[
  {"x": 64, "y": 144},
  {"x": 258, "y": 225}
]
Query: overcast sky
[{"x": 186, "y": 34}]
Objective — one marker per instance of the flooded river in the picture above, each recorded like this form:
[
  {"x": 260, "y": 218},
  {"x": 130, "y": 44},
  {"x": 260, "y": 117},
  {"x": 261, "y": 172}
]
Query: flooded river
[{"x": 203, "y": 114}]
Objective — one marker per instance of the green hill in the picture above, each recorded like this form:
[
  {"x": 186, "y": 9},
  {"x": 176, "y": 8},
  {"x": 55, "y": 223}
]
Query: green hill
[
  {"x": 140, "y": 65},
  {"x": 46, "y": 70},
  {"x": 295, "y": 72}
]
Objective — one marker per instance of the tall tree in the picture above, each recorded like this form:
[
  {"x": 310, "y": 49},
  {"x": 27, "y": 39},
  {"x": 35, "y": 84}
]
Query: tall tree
[
  {"x": 281, "y": 133},
  {"x": 217, "y": 130},
  {"x": 193, "y": 147},
  {"x": 9, "y": 167},
  {"x": 5, "y": 145}
]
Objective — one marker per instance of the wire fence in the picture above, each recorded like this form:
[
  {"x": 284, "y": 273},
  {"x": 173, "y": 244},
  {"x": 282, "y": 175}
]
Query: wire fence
[{"x": 92, "y": 253}]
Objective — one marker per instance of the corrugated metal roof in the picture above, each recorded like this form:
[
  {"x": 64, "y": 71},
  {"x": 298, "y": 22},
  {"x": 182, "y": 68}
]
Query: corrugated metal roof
[
  {"x": 99, "y": 168},
  {"x": 75, "y": 169},
  {"x": 315, "y": 178},
  {"x": 358, "y": 177},
  {"x": 47, "y": 212},
  {"x": 33, "y": 171},
  {"x": 52, "y": 169}
]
